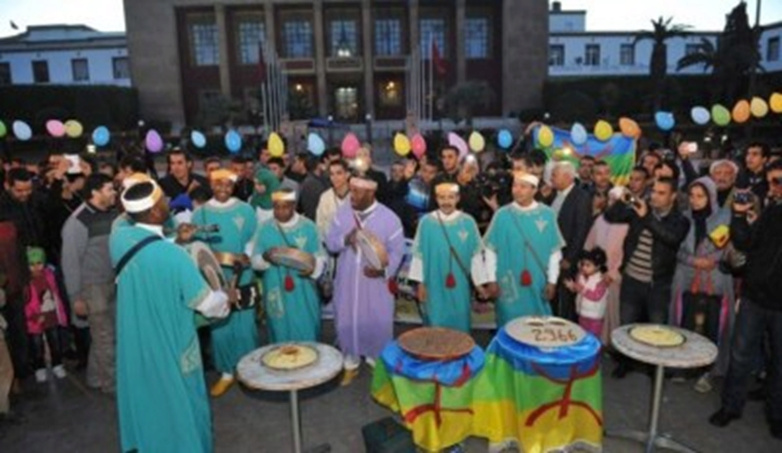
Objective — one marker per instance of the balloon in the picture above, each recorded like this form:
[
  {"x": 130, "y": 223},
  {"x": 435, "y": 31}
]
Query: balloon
[
  {"x": 545, "y": 136},
  {"x": 198, "y": 139},
  {"x": 458, "y": 143},
  {"x": 21, "y": 130},
  {"x": 741, "y": 111},
  {"x": 55, "y": 128},
  {"x": 720, "y": 115},
  {"x": 73, "y": 129},
  {"x": 665, "y": 120},
  {"x": 476, "y": 141},
  {"x": 700, "y": 115},
  {"x": 504, "y": 139},
  {"x": 401, "y": 144},
  {"x": 775, "y": 101},
  {"x": 758, "y": 107},
  {"x": 276, "y": 146},
  {"x": 603, "y": 130},
  {"x": 350, "y": 145},
  {"x": 315, "y": 144},
  {"x": 578, "y": 134},
  {"x": 629, "y": 127},
  {"x": 153, "y": 141},
  {"x": 3, "y": 130},
  {"x": 101, "y": 136},
  {"x": 233, "y": 141},
  {"x": 418, "y": 145}
]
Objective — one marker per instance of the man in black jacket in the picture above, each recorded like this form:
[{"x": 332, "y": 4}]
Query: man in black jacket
[
  {"x": 653, "y": 239},
  {"x": 760, "y": 310}
]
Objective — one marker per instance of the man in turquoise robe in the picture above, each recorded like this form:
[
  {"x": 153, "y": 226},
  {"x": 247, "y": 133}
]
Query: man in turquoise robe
[
  {"x": 237, "y": 335},
  {"x": 291, "y": 298},
  {"x": 161, "y": 393},
  {"x": 446, "y": 257},
  {"x": 524, "y": 250}
]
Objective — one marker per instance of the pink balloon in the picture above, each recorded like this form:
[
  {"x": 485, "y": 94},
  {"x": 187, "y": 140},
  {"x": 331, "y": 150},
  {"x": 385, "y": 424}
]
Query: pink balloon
[
  {"x": 418, "y": 144},
  {"x": 457, "y": 142},
  {"x": 154, "y": 141},
  {"x": 55, "y": 128},
  {"x": 350, "y": 145}
]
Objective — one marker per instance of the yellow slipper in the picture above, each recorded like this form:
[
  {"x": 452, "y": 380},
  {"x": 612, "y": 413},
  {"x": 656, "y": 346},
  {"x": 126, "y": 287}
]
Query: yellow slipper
[
  {"x": 221, "y": 386},
  {"x": 348, "y": 376}
]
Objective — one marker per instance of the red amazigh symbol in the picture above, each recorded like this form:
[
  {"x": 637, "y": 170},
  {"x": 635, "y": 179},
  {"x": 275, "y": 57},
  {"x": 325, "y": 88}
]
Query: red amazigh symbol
[
  {"x": 565, "y": 402},
  {"x": 435, "y": 406}
]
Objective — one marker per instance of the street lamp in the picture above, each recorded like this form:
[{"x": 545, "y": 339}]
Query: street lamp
[
  {"x": 331, "y": 130},
  {"x": 368, "y": 118}
]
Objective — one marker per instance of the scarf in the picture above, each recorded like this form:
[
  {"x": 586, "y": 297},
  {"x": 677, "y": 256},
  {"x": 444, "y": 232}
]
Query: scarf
[{"x": 268, "y": 179}]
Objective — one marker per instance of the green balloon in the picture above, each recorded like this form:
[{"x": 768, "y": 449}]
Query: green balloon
[
  {"x": 3, "y": 130},
  {"x": 720, "y": 115}
]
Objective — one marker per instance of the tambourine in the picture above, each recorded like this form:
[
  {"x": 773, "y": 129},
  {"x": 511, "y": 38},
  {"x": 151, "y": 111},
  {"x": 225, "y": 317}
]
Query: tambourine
[
  {"x": 293, "y": 258},
  {"x": 208, "y": 265},
  {"x": 372, "y": 248}
]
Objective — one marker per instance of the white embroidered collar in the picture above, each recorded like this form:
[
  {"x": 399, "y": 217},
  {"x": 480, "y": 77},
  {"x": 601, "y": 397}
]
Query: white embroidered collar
[
  {"x": 157, "y": 229},
  {"x": 532, "y": 206}
]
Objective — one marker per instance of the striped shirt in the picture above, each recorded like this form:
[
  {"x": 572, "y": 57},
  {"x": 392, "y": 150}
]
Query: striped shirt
[{"x": 640, "y": 264}]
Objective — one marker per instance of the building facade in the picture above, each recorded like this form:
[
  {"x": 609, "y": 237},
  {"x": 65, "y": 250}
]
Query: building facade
[
  {"x": 347, "y": 58},
  {"x": 64, "y": 55}
]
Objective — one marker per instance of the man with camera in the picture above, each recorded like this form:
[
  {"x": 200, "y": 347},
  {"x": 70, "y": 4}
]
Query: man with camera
[
  {"x": 656, "y": 229},
  {"x": 760, "y": 309}
]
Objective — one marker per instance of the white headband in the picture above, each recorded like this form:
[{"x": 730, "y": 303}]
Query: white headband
[
  {"x": 529, "y": 178},
  {"x": 362, "y": 183},
  {"x": 144, "y": 204},
  {"x": 283, "y": 195}
]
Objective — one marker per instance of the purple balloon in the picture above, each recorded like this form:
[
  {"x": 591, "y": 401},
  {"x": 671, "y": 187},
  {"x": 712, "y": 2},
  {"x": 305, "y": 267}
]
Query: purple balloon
[{"x": 153, "y": 141}]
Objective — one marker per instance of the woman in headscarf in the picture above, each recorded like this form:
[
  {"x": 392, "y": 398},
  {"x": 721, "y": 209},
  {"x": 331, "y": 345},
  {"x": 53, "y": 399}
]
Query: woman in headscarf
[
  {"x": 703, "y": 295},
  {"x": 266, "y": 183}
]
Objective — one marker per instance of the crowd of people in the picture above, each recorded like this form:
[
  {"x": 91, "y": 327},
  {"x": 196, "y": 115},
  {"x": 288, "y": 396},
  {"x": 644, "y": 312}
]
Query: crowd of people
[{"x": 96, "y": 264}]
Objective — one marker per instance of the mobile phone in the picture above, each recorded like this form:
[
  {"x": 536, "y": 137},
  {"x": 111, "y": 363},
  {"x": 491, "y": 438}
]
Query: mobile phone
[
  {"x": 744, "y": 197},
  {"x": 690, "y": 147}
]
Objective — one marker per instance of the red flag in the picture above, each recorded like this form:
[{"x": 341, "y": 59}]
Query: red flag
[
  {"x": 261, "y": 63},
  {"x": 437, "y": 60}
]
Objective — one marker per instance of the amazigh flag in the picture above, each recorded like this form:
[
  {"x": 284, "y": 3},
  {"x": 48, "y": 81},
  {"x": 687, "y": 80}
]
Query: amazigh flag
[
  {"x": 618, "y": 151},
  {"x": 437, "y": 59}
]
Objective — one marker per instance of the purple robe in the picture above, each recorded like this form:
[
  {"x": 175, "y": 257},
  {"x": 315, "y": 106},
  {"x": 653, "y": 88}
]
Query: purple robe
[{"x": 364, "y": 306}]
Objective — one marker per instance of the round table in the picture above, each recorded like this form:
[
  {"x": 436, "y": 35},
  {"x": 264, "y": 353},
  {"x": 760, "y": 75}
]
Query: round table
[
  {"x": 696, "y": 351},
  {"x": 253, "y": 374}
]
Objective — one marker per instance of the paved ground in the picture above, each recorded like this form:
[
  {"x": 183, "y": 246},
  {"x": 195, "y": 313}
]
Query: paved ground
[{"x": 64, "y": 416}]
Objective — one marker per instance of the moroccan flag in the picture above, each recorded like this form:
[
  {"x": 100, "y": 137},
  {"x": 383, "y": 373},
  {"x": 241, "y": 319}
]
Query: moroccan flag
[{"x": 437, "y": 60}]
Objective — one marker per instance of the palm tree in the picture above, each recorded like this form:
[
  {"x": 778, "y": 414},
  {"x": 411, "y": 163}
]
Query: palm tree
[
  {"x": 658, "y": 64},
  {"x": 706, "y": 56}
]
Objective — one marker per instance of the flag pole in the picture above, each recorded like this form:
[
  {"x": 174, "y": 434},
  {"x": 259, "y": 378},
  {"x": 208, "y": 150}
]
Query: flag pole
[{"x": 431, "y": 78}]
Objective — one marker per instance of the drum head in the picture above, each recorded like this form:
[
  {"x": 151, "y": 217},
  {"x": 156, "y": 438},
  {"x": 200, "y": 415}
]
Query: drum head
[
  {"x": 436, "y": 343},
  {"x": 545, "y": 331},
  {"x": 293, "y": 258},
  {"x": 372, "y": 249},
  {"x": 207, "y": 264}
]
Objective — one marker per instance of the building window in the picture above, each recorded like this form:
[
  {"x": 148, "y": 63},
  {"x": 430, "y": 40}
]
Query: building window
[
  {"x": 346, "y": 102},
  {"x": 433, "y": 30},
  {"x": 389, "y": 93},
  {"x": 690, "y": 49},
  {"x": 627, "y": 55},
  {"x": 556, "y": 55},
  {"x": 121, "y": 68},
  {"x": 344, "y": 38},
  {"x": 297, "y": 35},
  {"x": 476, "y": 38},
  {"x": 204, "y": 44},
  {"x": 592, "y": 55},
  {"x": 40, "y": 71},
  {"x": 252, "y": 36},
  {"x": 388, "y": 37},
  {"x": 5, "y": 74},
  {"x": 772, "y": 50},
  {"x": 80, "y": 69}
]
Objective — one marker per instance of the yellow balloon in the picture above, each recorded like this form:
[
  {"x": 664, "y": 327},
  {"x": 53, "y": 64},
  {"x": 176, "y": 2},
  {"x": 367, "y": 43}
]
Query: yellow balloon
[
  {"x": 603, "y": 130},
  {"x": 545, "y": 136},
  {"x": 276, "y": 146},
  {"x": 776, "y": 102},
  {"x": 73, "y": 129},
  {"x": 477, "y": 142},
  {"x": 401, "y": 144},
  {"x": 758, "y": 107},
  {"x": 741, "y": 111}
]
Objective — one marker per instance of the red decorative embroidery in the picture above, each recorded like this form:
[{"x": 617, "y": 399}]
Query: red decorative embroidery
[{"x": 450, "y": 281}]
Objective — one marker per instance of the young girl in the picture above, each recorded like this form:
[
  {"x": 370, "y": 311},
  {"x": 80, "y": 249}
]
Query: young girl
[
  {"x": 45, "y": 315},
  {"x": 592, "y": 290}
]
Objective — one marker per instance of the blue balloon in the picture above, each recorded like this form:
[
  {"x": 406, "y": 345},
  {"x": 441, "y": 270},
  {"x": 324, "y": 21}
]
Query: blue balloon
[
  {"x": 233, "y": 141},
  {"x": 578, "y": 134},
  {"x": 700, "y": 115},
  {"x": 22, "y": 130},
  {"x": 664, "y": 120},
  {"x": 198, "y": 139},
  {"x": 315, "y": 144},
  {"x": 101, "y": 136},
  {"x": 504, "y": 139}
]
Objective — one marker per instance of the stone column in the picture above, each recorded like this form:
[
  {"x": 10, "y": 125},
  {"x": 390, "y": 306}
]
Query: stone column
[
  {"x": 461, "y": 63},
  {"x": 270, "y": 22},
  {"x": 222, "y": 33},
  {"x": 320, "y": 57},
  {"x": 524, "y": 53},
  {"x": 368, "y": 46},
  {"x": 414, "y": 25}
]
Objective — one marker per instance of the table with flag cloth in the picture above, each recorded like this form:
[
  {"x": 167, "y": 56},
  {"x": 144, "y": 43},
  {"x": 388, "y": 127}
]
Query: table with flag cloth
[{"x": 541, "y": 400}]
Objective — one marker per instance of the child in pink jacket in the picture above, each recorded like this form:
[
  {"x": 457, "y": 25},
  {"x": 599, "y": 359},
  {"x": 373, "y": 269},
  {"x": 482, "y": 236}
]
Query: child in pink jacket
[
  {"x": 45, "y": 315},
  {"x": 591, "y": 290}
]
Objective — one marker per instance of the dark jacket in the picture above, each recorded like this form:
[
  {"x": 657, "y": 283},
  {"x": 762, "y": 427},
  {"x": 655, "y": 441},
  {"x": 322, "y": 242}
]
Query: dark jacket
[
  {"x": 575, "y": 220},
  {"x": 762, "y": 242},
  {"x": 172, "y": 188},
  {"x": 668, "y": 233},
  {"x": 312, "y": 187}
]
